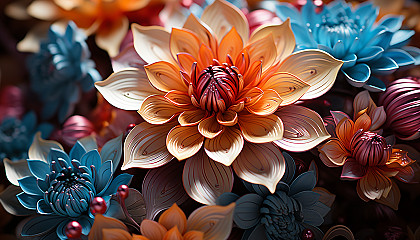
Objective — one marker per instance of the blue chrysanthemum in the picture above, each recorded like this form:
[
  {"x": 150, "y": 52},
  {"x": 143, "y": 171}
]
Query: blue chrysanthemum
[
  {"x": 60, "y": 69},
  {"x": 16, "y": 135},
  {"x": 60, "y": 186},
  {"x": 351, "y": 35},
  {"x": 293, "y": 208}
]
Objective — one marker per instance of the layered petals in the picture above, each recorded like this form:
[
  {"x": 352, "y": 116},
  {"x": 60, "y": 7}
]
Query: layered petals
[
  {"x": 261, "y": 129},
  {"x": 183, "y": 142}
]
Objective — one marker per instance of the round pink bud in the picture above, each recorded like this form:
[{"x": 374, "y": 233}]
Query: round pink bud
[
  {"x": 123, "y": 191},
  {"x": 73, "y": 230},
  {"x": 98, "y": 205}
]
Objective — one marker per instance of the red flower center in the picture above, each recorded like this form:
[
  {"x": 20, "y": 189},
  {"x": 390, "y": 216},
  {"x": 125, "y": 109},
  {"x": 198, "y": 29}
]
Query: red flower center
[{"x": 369, "y": 149}]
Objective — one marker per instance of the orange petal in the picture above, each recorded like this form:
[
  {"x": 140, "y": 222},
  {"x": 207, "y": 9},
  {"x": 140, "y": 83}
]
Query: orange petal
[
  {"x": 209, "y": 127},
  {"x": 206, "y": 57},
  {"x": 131, "y": 5},
  {"x": 252, "y": 96},
  {"x": 393, "y": 198},
  {"x": 165, "y": 77},
  {"x": 178, "y": 98},
  {"x": 102, "y": 222},
  {"x": 205, "y": 180},
  {"x": 225, "y": 147},
  {"x": 284, "y": 38},
  {"x": 159, "y": 110},
  {"x": 205, "y": 34},
  {"x": 173, "y": 234},
  {"x": 399, "y": 157},
  {"x": 260, "y": 164},
  {"x": 263, "y": 50},
  {"x": 374, "y": 184},
  {"x": 186, "y": 61},
  {"x": 214, "y": 221},
  {"x": 221, "y": 16},
  {"x": 362, "y": 122},
  {"x": 110, "y": 39},
  {"x": 227, "y": 118},
  {"x": 174, "y": 217},
  {"x": 267, "y": 104},
  {"x": 145, "y": 146},
  {"x": 152, "y": 230},
  {"x": 152, "y": 43},
  {"x": 344, "y": 132},
  {"x": 334, "y": 153},
  {"x": 261, "y": 129},
  {"x": 289, "y": 87},
  {"x": 183, "y": 142},
  {"x": 194, "y": 235},
  {"x": 115, "y": 234},
  {"x": 237, "y": 107},
  {"x": 231, "y": 44},
  {"x": 192, "y": 117},
  {"x": 184, "y": 41},
  {"x": 252, "y": 76},
  {"x": 139, "y": 237}
]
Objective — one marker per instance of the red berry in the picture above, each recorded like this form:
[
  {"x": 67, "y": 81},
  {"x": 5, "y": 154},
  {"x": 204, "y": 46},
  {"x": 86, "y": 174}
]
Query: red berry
[
  {"x": 130, "y": 127},
  {"x": 73, "y": 230},
  {"x": 123, "y": 191},
  {"x": 307, "y": 234},
  {"x": 98, "y": 205}
]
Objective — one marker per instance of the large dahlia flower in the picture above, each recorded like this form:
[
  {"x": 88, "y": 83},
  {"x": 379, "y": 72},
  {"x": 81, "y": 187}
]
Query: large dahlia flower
[
  {"x": 366, "y": 47},
  {"x": 59, "y": 187},
  {"x": 365, "y": 155},
  {"x": 216, "y": 97}
]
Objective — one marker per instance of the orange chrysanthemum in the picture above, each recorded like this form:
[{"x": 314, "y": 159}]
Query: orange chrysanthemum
[{"x": 216, "y": 93}]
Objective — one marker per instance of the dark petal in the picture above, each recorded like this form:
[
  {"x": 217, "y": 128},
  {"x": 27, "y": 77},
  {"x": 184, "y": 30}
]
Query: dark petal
[
  {"x": 352, "y": 170},
  {"x": 247, "y": 210},
  {"x": 122, "y": 179},
  {"x": 226, "y": 198},
  {"x": 305, "y": 181},
  {"x": 10, "y": 202},
  {"x": 41, "y": 225}
]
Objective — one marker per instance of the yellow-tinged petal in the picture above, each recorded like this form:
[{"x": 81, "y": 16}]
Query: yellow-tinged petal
[
  {"x": 289, "y": 87},
  {"x": 374, "y": 184},
  {"x": 227, "y": 118},
  {"x": 267, "y": 104},
  {"x": 40, "y": 148},
  {"x": 261, "y": 129},
  {"x": 209, "y": 127},
  {"x": 173, "y": 234},
  {"x": 205, "y": 180},
  {"x": 159, "y": 110},
  {"x": 393, "y": 198},
  {"x": 231, "y": 44},
  {"x": 44, "y": 10},
  {"x": 263, "y": 50},
  {"x": 111, "y": 37},
  {"x": 303, "y": 128},
  {"x": 315, "y": 67},
  {"x": 33, "y": 38},
  {"x": 16, "y": 170},
  {"x": 204, "y": 33},
  {"x": 345, "y": 131},
  {"x": 192, "y": 117},
  {"x": 139, "y": 237},
  {"x": 284, "y": 38},
  {"x": 127, "y": 89},
  {"x": 221, "y": 16},
  {"x": 194, "y": 235},
  {"x": 214, "y": 221},
  {"x": 252, "y": 96},
  {"x": 260, "y": 164},
  {"x": 184, "y": 41},
  {"x": 174, "y": 217},
  {"x": 184, "y": 141},
  {"x": 152, "y": 43},
  {"x": 186, "y": 62},
  {"x": 362, "y": 122},
  {"x": 145, "y": 146},
  {"x": 115, "y": 234},
  {"x": 225, "y": 147},
  {"x": 178, "y": 98},
  {"x": 131, "y": 5},
  {"x": 152, "y": 230},
  {"x": 334, "y": 153},
  {"x": 165, "y": 77},
  {"x": 102, "y": 222}
]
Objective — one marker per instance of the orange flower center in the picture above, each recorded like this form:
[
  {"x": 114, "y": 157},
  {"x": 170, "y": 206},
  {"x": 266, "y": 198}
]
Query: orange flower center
[{"x": 216, "y": 87}]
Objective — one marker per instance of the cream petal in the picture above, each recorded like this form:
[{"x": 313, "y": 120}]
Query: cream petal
[
  {"x": 374, "y": 184},
  {"x": 152, "y": 230},
  {"x": 393, "y": 198},
  {"x": 230, "y": 44},
  {"x": 127, "y": 58},
  {"x": 184, "y": 41},
  {"x": 284, "y": 38},
  {"x": 289, "y": 87},
  {"x": 333, "y": 153},
  {"x": 260, "y": 164},
  {"x": 172, "y": 217},
  {"x": 205, "y": 180},
  {"x": 263, "y": 50},
  {"x": 159, "y": 110},
  {"x": 204, "y": 33},
  {"x": 145, "y": 146},
  {"x": 33, "y": 38},
  {"x": 16, "y": 170},
  {"x": 110, "y": 39},
  {"x": 40, "y": 148},
  {"x": 261, "y": 129},
  {"x": 209, "y": 127},
  {"x": 127, "y": 89},
  {"x": 214, "y": 221},
  {"x": 303, "y": 129},
  {"x": 192, "y": 117},
  {"x": 152, "y": 43},
  {"x": 44, "y": 10},
  {"x": 165, "y": 77},
  {"x": 225, "y": 147},
  {"x": 178, "y": 98},
  {"x": 314, "y": 67},
  {"x": 184, "y": 141},
  {"x": 221, "y": 16},
  {"x": 227, "y": 118},
  {"x": 267, "y": 104}
]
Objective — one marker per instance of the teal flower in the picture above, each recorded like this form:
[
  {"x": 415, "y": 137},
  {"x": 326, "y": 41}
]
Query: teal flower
[
  {"x": 294, "y": 207},
  {"x": 61, "y": 186},
  {"x": 60, "y": 69},
  {"x": 367, "y": 48}
]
